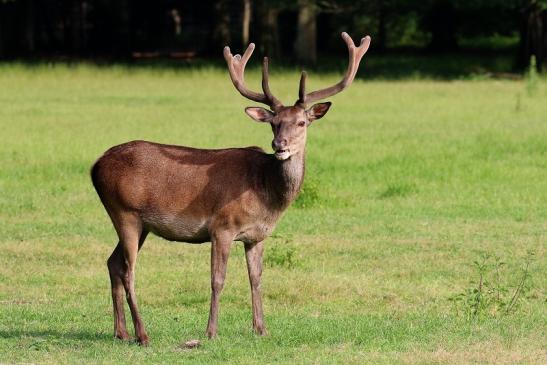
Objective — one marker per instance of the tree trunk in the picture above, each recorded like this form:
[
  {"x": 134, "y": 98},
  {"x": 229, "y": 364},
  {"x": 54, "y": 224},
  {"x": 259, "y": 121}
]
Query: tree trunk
[
  {"x": 246, "y": 22},
  {"x": 441, "y": 22},
  {"x": 306, "y": 39},
  {"x": 221, "y": 33},
  {"x": 544, "y": 45},
  {"x": 29, "y": 44},
  {"x": 76, "y": 24},
  {"x": 269, "y": 31},
  {"x": 533, "y": 36},
  {"x": 382, "y": 31},
  {"x": 1, "y": 38}
]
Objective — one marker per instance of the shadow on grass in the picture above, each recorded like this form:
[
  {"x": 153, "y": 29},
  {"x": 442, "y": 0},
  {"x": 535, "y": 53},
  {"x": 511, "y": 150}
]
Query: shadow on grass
[{"x": 57, "y": 335}]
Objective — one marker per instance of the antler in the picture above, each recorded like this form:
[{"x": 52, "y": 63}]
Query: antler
[
  {"x": 355, "y": 55},
  {"x": 236, "y": 67}
]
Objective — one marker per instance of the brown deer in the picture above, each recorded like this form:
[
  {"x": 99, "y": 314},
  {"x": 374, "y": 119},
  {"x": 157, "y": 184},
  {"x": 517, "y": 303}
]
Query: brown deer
[{"x": 196, "y": 195}]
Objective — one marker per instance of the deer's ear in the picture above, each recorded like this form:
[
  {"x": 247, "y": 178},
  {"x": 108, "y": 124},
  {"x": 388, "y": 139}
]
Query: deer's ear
[
  {"x": 260, "y": 114},
  {"x": 317, "y": 111}
]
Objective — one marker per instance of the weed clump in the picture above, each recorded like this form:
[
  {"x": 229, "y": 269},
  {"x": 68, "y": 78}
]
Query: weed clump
[
  {"x": 309, "y": 194},
  {"x": 281, "y": 254},
  {"x": 489, "y": 296},
  {"x": 397, "y": 190}
]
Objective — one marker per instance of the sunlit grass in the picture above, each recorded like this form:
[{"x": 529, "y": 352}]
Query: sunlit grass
[{"x": 407, "y": 182}]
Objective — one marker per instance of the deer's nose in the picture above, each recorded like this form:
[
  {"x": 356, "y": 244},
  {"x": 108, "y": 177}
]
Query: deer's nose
[{"x": 279, "y": 144}]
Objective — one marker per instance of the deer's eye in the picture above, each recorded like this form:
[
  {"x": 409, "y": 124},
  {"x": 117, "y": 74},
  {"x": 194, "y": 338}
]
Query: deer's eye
[{"x": 301, "y": 123}]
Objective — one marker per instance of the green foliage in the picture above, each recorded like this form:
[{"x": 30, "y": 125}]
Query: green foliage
[
  {"x": 281, "y": 254},
  {"x": 309, "y": 194},
  {"x": 490, "y": 295}
]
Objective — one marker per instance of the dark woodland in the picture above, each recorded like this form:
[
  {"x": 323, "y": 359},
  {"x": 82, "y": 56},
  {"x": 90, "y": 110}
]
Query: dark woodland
[{"x": 301, "y": 31}]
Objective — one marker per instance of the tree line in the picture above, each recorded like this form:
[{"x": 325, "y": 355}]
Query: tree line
[{"x": 297, "y": 29}]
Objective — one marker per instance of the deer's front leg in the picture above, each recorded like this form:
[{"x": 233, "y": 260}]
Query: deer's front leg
[
  {"x": 220, "y": 249},
  {"x": 253, "y": 254}
]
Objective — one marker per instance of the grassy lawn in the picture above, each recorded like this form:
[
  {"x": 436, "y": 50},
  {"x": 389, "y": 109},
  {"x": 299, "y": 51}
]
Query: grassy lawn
[{"x": 413, "y": 189}]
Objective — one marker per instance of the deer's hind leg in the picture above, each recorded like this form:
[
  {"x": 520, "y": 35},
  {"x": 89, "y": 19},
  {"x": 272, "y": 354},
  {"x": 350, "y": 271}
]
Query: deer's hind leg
[
  {"x": 116, "y": 269},
  {"x": 121, "y": 265}
]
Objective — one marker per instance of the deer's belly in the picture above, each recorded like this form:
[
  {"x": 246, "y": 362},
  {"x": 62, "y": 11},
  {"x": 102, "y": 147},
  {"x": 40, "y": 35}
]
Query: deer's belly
[
  {"x": 174, "y": 228},
  {"x": 255, "y": 233}
]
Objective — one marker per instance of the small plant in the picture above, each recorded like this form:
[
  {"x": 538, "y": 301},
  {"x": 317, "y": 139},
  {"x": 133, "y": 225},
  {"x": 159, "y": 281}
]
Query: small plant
[
  {"x": 518, "y": 105},
  {"x": 489, "y": 295},
  {"x": 523, "y": 284},
  {"x": 309, "y": 194},
  {"x": 532, "y": 78},
  {"x": 397, "y": 190},
  {"x": 281, "y": 254}
]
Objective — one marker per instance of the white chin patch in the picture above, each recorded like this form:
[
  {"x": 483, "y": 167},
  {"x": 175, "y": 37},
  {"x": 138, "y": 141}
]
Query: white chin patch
[{"x": 282, "y": 155}]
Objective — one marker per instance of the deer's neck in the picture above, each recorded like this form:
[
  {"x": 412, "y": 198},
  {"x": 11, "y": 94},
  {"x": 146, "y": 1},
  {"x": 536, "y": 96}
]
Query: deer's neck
[{"x": 285, "y": 179}]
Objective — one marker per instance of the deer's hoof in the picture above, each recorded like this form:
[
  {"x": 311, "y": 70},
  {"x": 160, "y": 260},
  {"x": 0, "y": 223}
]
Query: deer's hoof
[
  {"x": 124, "y": 336},
  {"x": 261, "y": 331},
  {"x": 143, "y": 340}
]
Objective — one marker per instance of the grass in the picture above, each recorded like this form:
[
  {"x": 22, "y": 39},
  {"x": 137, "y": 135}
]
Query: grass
[{"x": 408, "y": 184}]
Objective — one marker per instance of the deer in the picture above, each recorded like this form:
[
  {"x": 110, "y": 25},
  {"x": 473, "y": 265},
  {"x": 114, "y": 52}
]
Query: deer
[{"x": 193, "y": 195}]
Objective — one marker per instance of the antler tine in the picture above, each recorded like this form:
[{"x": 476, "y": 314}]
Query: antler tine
[
  {"x": 275, "y": 103},
  {"x": 248, "y": 53},
  {"x": 236, "y": 68},
  {"x": 302, "y": 89},
  {"x": 355, "y": 56}
]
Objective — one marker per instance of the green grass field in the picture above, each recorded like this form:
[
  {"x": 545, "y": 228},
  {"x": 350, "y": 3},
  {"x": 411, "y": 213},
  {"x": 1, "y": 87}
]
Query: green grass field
[{"x": 414, "y": 188}]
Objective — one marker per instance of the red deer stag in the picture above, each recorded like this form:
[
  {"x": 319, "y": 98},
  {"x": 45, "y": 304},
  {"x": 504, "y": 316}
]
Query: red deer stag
[{"x": 197, "y": 195}]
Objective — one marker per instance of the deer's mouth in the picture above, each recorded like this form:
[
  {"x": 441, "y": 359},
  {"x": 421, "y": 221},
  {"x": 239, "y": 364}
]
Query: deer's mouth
[{"x": 282, "y": 154}]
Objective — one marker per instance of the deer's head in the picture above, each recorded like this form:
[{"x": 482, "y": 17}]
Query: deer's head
[{"x": 290, "y": 123}]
